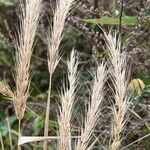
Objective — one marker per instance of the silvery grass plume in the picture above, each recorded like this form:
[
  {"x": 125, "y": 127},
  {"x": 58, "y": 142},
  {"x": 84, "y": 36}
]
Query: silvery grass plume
[
  {"x": 120, "y": 77},
  {"x": 54, "y": 38},
  {"x": 24, "y": 46},
  {"x": 94, "y": 109},
  {"x": 67, "y": 102}
]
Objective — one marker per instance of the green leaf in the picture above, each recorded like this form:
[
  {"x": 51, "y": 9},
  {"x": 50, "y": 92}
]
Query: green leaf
[
  {"x": 146, "y": 79},
  {"x": 126, "y": 20},
  {"x": 3, "y": 126},
  {"x": 53, "y": 123},
  {"x": 147, "y": 89},
  {"x": 148, "y": 13},
  {"x": 136, "y": 97},
  {"x": 37, "y": 125},
  {"x": 28, "y": 115},
  {"x": 3, "y": 129}
]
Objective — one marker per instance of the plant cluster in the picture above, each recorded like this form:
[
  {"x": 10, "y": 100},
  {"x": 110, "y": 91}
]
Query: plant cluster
[{"x": 107, "y": 92}]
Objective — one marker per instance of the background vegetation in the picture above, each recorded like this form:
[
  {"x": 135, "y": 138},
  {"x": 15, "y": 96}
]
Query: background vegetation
[{"x": 83, "y": 32}]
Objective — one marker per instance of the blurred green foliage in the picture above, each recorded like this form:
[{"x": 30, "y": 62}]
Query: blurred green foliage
[{"x": 6, "y": 2}]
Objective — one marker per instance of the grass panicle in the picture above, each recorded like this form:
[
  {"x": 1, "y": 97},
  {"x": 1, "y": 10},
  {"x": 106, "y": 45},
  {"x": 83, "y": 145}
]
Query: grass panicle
[
  {"x": 120, "y": 77},
  {"x": 24, "y": 46},
  {"x": 54, "y": 38},
  {"x": 55, "y": 35},
  {"x": 94, "y": 108},
  {"x": 67, "y": 102}
]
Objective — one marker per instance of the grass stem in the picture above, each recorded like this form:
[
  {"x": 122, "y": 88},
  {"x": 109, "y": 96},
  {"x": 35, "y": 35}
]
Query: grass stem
[{"x": 46, "y": 127}]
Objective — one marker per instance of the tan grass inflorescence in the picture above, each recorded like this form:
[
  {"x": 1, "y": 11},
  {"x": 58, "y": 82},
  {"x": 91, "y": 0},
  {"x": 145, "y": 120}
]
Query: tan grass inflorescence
[
  {"x": 94, "y": 109},
  {"x": 67, "y": 102},
  {"x": 54, "y": 38},
  {"x": 120, "y": 77},
  {"x": 24, "y": 46}
]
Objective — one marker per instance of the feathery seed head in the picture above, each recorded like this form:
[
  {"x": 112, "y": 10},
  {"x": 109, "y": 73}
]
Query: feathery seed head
[
  {"x": 94, "y": 108},
  {"x": 24, "y": 47},
  {"x": 120, "y": 77},
  {"x": 54, "y": 37},
  {"x": 67, "y": 102}
]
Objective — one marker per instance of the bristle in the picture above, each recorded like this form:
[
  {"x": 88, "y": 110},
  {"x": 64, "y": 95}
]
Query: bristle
[{"x": 5, "y": 90}]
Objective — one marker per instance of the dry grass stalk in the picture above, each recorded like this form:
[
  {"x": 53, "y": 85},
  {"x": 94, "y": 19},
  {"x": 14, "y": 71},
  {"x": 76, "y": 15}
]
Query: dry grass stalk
[
  {"x": 54, "y": 38},
  {"x": 120, "y": 76},
  {"x": 67, "y": 102},
  {"x": 94, "y": 109},
  {"x": 24, "y": 47}
]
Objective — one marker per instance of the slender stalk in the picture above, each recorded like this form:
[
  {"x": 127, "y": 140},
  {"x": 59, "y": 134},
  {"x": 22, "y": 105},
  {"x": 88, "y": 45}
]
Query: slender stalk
[
  {"x": 1, "y": 139},
  {"x": 136, "y": 141},
  {"x": 19, "y": 133},
  {"x": 120, "y": 18},
  {"x": 47, "y": 113}
]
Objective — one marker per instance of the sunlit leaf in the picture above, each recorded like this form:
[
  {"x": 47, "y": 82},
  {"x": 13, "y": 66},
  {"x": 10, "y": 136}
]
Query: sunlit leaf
[
  {"x": 126, "y": 20},
  {"x": 147, "y": 89}
]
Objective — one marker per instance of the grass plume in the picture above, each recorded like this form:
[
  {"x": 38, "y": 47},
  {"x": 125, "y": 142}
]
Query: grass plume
[
  {"x": 94, "y": 108},
  {"x": 24, "y": 46},
  {"x": 54, "y": 38},
  {"x": 120, "y": 77},
  {"x": 67, "y": 102}
]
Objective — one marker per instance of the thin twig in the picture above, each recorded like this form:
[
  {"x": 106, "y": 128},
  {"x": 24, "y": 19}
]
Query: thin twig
[
  {"x": 120, "y": 17},
  {"x": 136, "y": 141}
]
